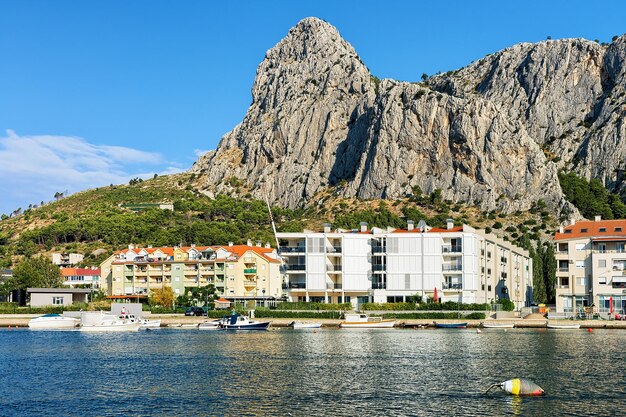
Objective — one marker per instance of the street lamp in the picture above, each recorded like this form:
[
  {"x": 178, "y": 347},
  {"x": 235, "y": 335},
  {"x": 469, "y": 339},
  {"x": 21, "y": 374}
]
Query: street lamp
[{"x": 263, "y": 292}]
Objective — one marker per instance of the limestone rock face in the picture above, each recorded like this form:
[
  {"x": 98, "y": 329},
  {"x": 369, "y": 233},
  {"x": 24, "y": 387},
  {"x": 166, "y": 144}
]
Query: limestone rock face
[{"x": 492, "y": 134}]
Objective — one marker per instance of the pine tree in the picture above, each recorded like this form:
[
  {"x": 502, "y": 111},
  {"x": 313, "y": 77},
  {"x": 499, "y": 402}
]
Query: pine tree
[
  {"x": 549, "y": 272},
  {"x": 539, "y": 287}
]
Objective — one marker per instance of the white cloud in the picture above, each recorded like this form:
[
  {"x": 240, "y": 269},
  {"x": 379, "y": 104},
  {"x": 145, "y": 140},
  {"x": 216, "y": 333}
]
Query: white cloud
[
  {"x": 33, "y": 168},
  {"x": 199, "y": 152}
]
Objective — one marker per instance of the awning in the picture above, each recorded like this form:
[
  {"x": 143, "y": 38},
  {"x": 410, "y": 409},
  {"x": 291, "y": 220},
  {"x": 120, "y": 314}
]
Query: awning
[
  {"x": 609, "y": 239},
  {"x": 620, "y": 280}
]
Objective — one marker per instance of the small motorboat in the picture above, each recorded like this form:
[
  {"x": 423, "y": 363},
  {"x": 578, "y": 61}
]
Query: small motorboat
[
  {"x": 145, "y": 323},
  {"x": 189, "y": 326},
  {"x": 363, "y": 321},
  {"x": 497, "y": 325},
  {"x": 174, "y": 325},
  {"x": 240, "y": 322},
  {"x": 53, "y": 322},
  {"x": 102, "y": 322},
  {"x": 563, "y": 326},
  {"x": 209, "y": 325},
  {"x": 302, "y": 325},
  {"x": 451, "y": 325}
]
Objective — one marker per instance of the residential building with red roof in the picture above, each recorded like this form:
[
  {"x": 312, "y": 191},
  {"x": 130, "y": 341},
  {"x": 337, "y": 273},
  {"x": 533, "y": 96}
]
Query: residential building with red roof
[
  {"x": 591, "y": 267},
  {"x": 238, "y": 272},
  {"x": 458, "y": 263},
  {"x": 88, "y": 277}
]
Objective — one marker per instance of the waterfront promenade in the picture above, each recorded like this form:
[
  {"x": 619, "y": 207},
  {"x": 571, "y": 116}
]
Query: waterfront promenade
[{"x": 21, "y": 320}]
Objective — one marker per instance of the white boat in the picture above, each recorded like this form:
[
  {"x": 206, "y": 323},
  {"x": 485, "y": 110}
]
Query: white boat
[
  {"x": 209, "y": 325},
  {"x": 240, "y": 322},
  {"x": 175, "y": 325},
  {"x": 301, "y": 325},
  {"x": 102, "y": 322},
  {"x": 189, "y": 326},
  {"x": 497, "y": 325},
  {"x": 145, "y": 323},
  {"x": 563, "y": 326},
  {"x": 52, "y": 322},
  {"x": 363, "y": 321}
]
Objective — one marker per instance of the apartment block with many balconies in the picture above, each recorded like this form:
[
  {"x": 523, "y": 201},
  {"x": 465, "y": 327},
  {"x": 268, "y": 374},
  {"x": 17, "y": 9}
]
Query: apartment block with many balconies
[
  {"x": 390, "y": 265},
  {"x": 238, "y": 272},
  {"x": 591, "y": 266}
]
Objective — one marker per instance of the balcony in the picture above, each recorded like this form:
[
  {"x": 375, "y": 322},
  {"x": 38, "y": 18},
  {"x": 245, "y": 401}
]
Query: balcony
[
  {"x": 297, "y": 285},
  {"x": 563, "y": 269},
  {"x": 452, "y": 249},
  {"x": 248, "y": 283},
  {"x": 249, "y": 271},
  {"x": 334, "y": 249},
  {"x": 296, "y": 267},
  {"x": 562, "y": 287},
  {"x": 292, "y": 249},
  {"x": 452, "y": 286},
  {"x": 333, "y": 268},
  {"x": 452, "y": 267},
  {"x": 333, "y": 286},
  {"x": 379, "y": 267},
  {"x": 379, "y": 249},
  {"x": 379, "y": 286}
]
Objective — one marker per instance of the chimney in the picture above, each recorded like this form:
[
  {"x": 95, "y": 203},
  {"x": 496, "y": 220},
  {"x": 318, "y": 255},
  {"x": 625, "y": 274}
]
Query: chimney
[
  {"x": 572, "y": 221},
  {"x": 249, "y": 243},
  {"x": 230, "y": 243},
  {"x": 267, "y": 245},
  {"x": 131, "y": 247},
  {"x": 561, "y": 229},
  {"x": 410, "y": 225},
  {"x": 363, "y": 226},
  {"x": 149, "y": 246},
  {"x": 449, "y": 224},
  {"x": 193, "y": 245},
  {"x": 326, "y": 227},
  {"x": 258, "y": 244},
  {"x": 598, "y": 218}
]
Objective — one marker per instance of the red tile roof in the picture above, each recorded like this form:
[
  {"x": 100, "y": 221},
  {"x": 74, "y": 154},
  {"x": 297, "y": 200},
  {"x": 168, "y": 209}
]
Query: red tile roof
[
  {"x": 74, "y": 272},
  {"x": 591, "y": 229}
]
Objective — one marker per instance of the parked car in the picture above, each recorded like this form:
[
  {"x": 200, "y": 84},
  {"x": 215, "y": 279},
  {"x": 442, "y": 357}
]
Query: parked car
[{"x": 195, "y": 311}]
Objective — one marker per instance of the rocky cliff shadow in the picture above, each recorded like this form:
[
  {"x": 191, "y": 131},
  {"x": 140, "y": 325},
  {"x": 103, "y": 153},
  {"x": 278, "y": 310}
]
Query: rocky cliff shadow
[{"x": 351, "y": 149}]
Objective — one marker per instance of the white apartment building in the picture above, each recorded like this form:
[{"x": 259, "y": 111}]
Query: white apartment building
[
  {"x": 591, "y": 266},
  {"x": 390, "y": 265}
]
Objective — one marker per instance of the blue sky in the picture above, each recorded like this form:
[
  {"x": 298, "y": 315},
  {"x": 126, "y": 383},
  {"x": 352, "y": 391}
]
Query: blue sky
[{"x": 102, "y": 91}]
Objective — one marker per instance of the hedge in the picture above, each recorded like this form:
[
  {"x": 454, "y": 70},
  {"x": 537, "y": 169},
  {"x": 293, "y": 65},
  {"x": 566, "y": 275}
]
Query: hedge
[
  {"x": 450, "y": 316},
  {"x": 447, "y": 306},
  {"x": 313, "y": 306},
  {"x": 277, "y": 314}
]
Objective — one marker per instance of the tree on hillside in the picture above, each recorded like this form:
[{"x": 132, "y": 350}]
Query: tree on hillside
[
  {"x": 539, "y": 286},
  {"x": 549, "y": 272},
  {"x": 163, "y": 297},
  {"x": 36, "y": 272}
]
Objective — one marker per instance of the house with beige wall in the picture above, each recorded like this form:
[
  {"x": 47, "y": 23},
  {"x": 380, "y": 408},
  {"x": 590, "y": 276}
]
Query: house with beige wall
[
  {"x": 591, "y": 266},
  {"x": 238, "y": 272}
]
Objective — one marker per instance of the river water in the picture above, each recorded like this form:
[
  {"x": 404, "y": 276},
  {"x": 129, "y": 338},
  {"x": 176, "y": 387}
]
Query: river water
[{"x": 329, "y": 372}]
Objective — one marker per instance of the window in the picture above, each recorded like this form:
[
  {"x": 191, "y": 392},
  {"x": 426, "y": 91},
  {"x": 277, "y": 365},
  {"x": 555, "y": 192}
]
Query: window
[
  {"x": 618, "y": 229},
  {"x": 488, "y": 287},
  {"x": 580, "y": 246},
  {"x": 57, "y": 301},
  {"x": 619, "y": 247},
  {"x": 601, "y": 263},
  {"x": 580, "y": 264},
  {"x": 602, "y": 230},
  {"x": 568, "y": 231},
  {"x": 583, "y": 230},
  {"x": 582, "y": 281},
  {"x": 602, "y": 280},
  {"x": 231, "y": 277}
]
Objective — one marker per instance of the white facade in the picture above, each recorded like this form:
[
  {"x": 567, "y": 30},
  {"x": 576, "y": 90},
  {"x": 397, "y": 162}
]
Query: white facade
[{"x": 379, "y": 265}]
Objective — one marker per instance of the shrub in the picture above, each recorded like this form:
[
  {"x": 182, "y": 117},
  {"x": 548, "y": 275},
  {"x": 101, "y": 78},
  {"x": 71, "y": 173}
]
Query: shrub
[
  {"x": 262, "y": 312},
  {"x": 507, "y": 305},
  {"x": 313, "y": 306}
]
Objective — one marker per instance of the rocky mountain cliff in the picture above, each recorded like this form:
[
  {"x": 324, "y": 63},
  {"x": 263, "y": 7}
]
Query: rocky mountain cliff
[{"x": 493, "y": 134}]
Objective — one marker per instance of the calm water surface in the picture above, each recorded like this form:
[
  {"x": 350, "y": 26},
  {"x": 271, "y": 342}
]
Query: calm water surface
[{"x": 301, "y": 373}]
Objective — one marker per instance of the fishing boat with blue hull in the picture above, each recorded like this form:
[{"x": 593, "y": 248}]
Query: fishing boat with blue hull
[
  {"x": 240, "y": 322},
  {"x": 451, "y": 325}
]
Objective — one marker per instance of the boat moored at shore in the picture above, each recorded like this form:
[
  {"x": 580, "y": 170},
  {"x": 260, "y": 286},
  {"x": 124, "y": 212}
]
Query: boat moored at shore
[
  {"x": 240, "y": 322},
  {"x": 363, "y": 321},
  {"x": 103, "y": 322},
  {"x": 451, "y": 325},
  {"x": 53, "y": 322},
  {"x": 563, "y": 326},
  {"x": 304, "y": 325},
  {"x": 497, "y": 325}
]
